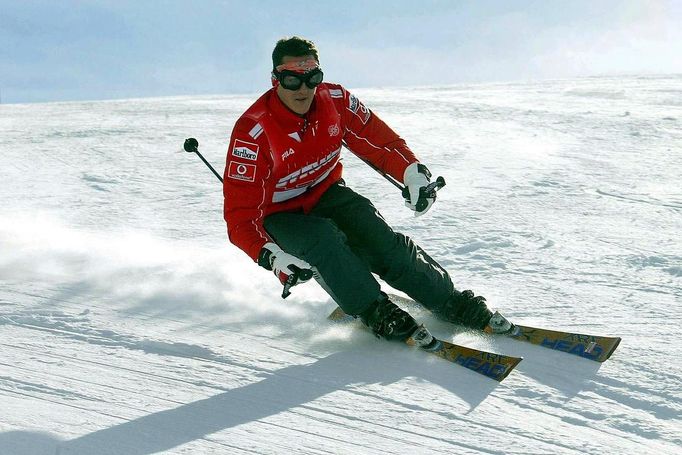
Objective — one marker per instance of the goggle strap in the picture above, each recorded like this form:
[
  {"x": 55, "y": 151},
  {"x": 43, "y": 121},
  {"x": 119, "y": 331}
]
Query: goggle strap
[{"x": 301, "y": 66}]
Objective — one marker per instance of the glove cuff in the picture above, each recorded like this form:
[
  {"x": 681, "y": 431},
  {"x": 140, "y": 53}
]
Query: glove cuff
[
  {"x": 422, "y": 169},
  {"x": 267, "y": 255},
  {"x": 415, "y": 173}
]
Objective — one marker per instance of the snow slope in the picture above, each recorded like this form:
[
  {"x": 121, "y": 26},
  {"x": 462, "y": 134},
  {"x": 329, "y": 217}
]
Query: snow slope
[{"x": 128, "y": 324}]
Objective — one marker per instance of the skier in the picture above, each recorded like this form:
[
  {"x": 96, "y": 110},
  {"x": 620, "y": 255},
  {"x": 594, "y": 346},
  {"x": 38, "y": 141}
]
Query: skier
[{"x": 288, "y": 208}]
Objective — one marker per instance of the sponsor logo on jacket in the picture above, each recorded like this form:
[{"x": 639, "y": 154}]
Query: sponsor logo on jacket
[
  {"x": 242, "y": 171},
  {"x": 288, "y": 153},
  {"x": 359, "y": 109},
  {"x": 353, "y": 104},
  {"x": 246, "y": 150},
  {"x": 364, "y": 114}
]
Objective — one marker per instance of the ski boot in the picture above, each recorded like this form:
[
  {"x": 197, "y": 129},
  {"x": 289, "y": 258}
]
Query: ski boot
[
  {"x": 388, "y": 321},
  {"x": 464, "y": 308}
]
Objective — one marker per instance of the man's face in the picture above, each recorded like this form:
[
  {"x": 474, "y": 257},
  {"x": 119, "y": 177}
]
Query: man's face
[{"x": 299, "y": 100}]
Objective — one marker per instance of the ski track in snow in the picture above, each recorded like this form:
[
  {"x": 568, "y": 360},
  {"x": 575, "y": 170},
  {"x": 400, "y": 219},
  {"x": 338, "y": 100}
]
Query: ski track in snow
[{"x": 128, "y": 324}]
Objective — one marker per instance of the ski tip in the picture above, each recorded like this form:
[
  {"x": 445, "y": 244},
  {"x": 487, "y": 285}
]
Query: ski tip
[
  {"x": 338, "y": 315},
  {"x": 514, "y": 361},
  {"x": 607, "y": 354}
]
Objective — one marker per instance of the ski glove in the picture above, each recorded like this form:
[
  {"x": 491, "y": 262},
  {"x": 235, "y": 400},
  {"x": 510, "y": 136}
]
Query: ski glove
[
  {"x": 289, "y": 269},
  {"x": 416, "y": 179}
]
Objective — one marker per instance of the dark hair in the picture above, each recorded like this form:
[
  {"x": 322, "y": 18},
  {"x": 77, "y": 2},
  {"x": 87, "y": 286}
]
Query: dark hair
[{"x": 294, "y": 47}]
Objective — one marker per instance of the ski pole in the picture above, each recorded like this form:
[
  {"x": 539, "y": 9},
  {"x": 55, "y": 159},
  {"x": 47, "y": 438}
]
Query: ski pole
[
  {"x": 192, "y": 146},
  {"x": 384, "y": 175},
  {"x": 425, "y": 192},
  {"x": 300, "y": 275}
]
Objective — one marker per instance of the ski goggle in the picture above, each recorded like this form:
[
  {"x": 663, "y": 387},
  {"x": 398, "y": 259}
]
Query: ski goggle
[
  {"x": 293, "y": 81},
  {"x": 293, "y": 75}
]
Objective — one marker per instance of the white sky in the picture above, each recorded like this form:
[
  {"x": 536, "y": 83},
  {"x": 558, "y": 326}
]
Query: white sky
[{"x": 75, "y": 50}]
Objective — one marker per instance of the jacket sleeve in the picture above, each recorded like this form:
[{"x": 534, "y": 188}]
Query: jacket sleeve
[
  {"x": 245, "y": 188},
  {"x": 367, "y": 136}
]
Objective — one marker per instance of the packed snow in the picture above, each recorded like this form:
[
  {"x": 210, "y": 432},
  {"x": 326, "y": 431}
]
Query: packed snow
[{"x": 129, "y": 324}]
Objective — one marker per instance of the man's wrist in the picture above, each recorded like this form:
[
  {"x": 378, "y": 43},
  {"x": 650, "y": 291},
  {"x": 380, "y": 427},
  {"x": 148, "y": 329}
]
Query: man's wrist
[
  {"x": 265, "y": 257},
  {"x": 416, "y": 173}
]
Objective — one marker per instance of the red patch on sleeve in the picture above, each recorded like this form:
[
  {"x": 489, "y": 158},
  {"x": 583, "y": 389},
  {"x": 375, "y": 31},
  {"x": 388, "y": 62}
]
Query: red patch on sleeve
[
  {"x": 245, "y": 150},
  {"x": 242, "y": 171}
]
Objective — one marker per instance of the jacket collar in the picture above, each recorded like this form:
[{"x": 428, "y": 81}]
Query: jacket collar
[{"x": 285, "y": 116}]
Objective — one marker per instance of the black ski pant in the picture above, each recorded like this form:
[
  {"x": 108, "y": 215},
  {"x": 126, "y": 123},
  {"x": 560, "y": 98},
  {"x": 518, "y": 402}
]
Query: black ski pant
[{"x": 346, "y": 239}]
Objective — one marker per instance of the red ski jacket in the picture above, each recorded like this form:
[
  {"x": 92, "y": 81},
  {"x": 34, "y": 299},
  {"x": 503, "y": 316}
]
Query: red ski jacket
[{"x": 279, "y": 161}]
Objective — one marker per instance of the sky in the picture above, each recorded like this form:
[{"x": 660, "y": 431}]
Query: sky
[{"x": 112, "y": 49}]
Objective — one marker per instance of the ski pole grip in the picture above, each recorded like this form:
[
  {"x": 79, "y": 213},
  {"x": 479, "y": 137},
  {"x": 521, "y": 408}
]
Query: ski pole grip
[
  {"x": 428, "y": 191},
  {"x": 191, "y": 145},
  {"x": 299, "y": 275},
  {"x": 435, "y": 186}
]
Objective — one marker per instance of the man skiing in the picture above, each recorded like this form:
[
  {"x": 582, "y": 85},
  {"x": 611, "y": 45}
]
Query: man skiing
[{"x": 288, "y": 208}]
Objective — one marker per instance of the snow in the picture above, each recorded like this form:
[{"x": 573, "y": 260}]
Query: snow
[{"x": 129, "y": 325}]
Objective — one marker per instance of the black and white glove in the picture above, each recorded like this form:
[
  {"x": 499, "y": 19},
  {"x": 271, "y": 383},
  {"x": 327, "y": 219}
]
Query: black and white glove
[
  {"x": 289, "y": 269},
  {"x": 417, "y": 197}
]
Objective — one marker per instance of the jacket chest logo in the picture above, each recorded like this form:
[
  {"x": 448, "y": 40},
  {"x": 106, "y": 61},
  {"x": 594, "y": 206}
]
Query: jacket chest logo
[
  {"x": 287, "y": 153},
  {"x": 308, "y": 170},
  {"x": 333, "y": 130}
]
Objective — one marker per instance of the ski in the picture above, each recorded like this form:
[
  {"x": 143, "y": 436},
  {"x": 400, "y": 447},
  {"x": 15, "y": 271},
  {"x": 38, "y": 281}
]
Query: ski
[
  {"x": 591, "y": 347},
  {"x": 494, "y": 366}
]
